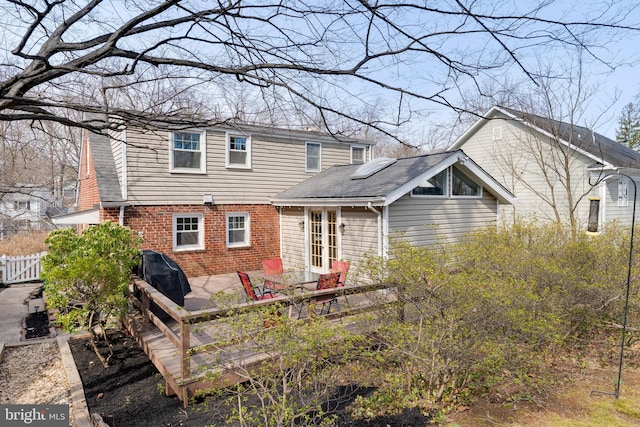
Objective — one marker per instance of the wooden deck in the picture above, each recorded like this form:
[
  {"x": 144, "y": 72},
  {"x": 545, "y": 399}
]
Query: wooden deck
[{"x": 196, "y": 350}]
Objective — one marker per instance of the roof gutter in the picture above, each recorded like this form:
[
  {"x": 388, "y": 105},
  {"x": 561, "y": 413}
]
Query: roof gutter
[{"x": 356, "y": 201}]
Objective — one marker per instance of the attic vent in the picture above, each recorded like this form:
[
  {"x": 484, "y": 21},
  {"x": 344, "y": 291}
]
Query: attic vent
[{"x": 367, "y": 169}]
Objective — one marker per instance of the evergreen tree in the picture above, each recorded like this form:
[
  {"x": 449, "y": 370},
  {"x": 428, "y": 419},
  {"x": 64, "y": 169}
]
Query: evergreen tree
[{"x": 628, "y": 132}]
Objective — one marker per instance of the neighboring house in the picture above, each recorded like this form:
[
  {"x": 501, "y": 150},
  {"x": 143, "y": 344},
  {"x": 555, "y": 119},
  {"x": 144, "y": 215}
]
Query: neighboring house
[
  {"x": 202, "y": 196},
  {"x": 538, "y": 159},
  {"x": 25, "y": 208},
  {"x": 351, "y": 210}
]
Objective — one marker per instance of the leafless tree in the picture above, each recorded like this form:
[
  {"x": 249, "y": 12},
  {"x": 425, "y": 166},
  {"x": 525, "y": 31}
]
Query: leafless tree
[{"x": 328, "y": 55}]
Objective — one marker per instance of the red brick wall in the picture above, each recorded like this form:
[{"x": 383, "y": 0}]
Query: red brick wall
[
  {"x": 88, "y": 196},
  {"x": 156, "y": 222}
]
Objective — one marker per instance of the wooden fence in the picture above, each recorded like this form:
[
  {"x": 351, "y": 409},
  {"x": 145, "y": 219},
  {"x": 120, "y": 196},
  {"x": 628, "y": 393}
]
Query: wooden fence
[{"x": 18, "y": 269}]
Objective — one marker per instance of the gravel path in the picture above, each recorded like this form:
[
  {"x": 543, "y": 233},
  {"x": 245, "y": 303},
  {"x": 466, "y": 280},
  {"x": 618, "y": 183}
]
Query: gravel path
[{"x": 33, "y": 374}]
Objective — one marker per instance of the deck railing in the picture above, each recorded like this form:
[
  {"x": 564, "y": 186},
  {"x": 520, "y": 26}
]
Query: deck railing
[{"x": 188, "y": 319}]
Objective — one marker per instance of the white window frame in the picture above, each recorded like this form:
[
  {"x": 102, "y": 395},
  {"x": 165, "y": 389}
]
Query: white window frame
[
  {"x": 364, "y": 153},
  {"x": 22, "y": 205},
  {"x": 497, "y": 133},
  {"x": 306, "y": 157},
  {"x": 203, "y": 153},
  {"x": 228, "y": 150},
  {"x": 200, "y": 244},
  {"x": 447, "y": 189},
  {"x": 623, "y": 192},
  {"x": 478, "y": 194},
  {"x": 247, "y": 228}
]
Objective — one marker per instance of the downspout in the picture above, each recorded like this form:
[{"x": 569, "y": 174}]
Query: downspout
[
  {"x": 121, "y": 216},
  {"x": 380, "y": 234}
]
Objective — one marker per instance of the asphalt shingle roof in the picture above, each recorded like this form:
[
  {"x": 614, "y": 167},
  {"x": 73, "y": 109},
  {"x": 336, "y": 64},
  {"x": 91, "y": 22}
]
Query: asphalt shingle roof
[{"x": 592, "y": 142}]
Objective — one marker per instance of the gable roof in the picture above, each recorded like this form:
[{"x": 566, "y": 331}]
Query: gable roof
[
  {"x": 337, "y": 186},
  {"x": 601, "y": 149},
  {"x": 109, "y": 189}
]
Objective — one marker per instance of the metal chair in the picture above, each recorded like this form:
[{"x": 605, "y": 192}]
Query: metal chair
[
  {"x": 341, "y": 267},
  {"x": 270, "y": 267},
  {"x": 327, "y": 281},
  {"x": 254, "y": 293}
]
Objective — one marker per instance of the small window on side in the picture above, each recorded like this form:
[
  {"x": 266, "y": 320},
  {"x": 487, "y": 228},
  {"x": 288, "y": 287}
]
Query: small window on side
[
  {"x": 313, "y": 157},
  {"x": 238, "y": 151},
  {"x": 463, "y": 186},
  {"x": 623, "y": 192},
  {"x": 238, "y": 230},
  {"x": 188, "y": 232},
  {"x": 497, "y": 133},
  {"x": 358, "y": 154}
]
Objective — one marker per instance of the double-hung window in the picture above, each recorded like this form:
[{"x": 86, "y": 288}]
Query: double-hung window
[
  {"x": 237, "y": 230},
  {"x": 623, "y": 192},
  {"x": 188, "y": 153},
  {"x": 313, "y": 156},
  {"x": 188, "y": 231},
  {"x": 358, "y": 154},
  {"x": 238, "y": 151}
]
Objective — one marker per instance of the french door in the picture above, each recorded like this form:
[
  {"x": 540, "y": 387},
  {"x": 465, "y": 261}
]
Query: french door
[{"x": 323, "y": 239}]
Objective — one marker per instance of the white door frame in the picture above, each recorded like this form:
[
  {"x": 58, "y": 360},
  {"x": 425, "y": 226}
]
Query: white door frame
[{"x": 323, "y": 266}]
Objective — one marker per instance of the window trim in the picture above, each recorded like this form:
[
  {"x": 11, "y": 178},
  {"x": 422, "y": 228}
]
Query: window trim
[
  {"x": 497, "y": 133},
  {"x": 447, "y": 190},
  {"x": 203, "y": 153},
  {"x": 228, "y": 164},
  {"x": 306, "y": 157},
  {"x": 174, "y": 231},
  {"x": 478, "y": 194},
  {"x": 364, "y": 152},
  {"x": 623, "y": 192},
  {"x": 247, "y": 228}
]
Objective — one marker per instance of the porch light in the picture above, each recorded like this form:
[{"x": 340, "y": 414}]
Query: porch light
[
  {"x": 301, "y": 225},
  {"x": 341, "y": 228}
]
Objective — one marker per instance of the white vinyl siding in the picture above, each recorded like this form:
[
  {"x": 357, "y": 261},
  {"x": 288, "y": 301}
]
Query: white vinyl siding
[
  {"x": 359, "y": 238},
  {"x": 188, "y": 232},
  {"x": 427, "y": 221},
  {"x": 292, "y": 238},
  {"x": 510, "y": 158},
  {"x": 276, "y": 165}
]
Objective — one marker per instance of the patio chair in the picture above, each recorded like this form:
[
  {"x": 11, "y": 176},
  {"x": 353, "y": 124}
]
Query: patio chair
[
  {"x": 341, "y": 267},
  {"x": 272, "y": 266},
  {"x": 254, "y": 293},
  {"x": 327, "y": 281}
]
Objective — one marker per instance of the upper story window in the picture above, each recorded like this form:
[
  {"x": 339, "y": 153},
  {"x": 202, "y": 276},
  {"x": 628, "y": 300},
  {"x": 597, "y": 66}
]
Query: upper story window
[
  {"x": 314, "y": 152},
  {"x": 188, "y": 232},
  {"x": 450, "y": 182},
  {"x": 237, "y": 230},
  {"x": 188, "y": 153},
  {"x": 463, "y": 186},
  {"x": 623, "y": 192},
  {"x": 358, "y": 154},
  {"x": 434, "y": 186},
  {"x": 497, "y": 133},
  {"x": 21, "y": 205},
  {"x": 238, "y": 151}
]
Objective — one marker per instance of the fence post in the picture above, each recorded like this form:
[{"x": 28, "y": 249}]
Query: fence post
[{"x": 3, "y": 268}]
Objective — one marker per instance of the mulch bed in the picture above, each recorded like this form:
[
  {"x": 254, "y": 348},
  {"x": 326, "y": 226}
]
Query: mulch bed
[{"x": 130, "y": 393}]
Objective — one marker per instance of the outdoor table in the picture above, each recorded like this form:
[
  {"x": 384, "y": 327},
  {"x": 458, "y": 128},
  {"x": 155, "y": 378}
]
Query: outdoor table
[{"x": 290, "y": 281}]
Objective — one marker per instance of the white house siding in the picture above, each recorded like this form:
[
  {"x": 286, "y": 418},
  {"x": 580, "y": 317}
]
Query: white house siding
[
  {"x": 276, "y": 166},
  {"x": 360, "y": 237},
  {"x": 511, "y": 156},
  {"x": 292, "y": 238},
  {"x": 426, "y": 221},
  {"x": 117, "y": 140},
  {"x": 609, "y": 206}
]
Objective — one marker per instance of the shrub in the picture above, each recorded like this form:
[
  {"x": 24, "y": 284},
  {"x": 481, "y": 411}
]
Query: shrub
[{"x": 87, "y": 275}]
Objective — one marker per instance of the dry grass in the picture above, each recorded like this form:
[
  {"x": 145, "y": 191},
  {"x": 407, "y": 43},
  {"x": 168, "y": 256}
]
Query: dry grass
[{"x": 24, "y": 244}]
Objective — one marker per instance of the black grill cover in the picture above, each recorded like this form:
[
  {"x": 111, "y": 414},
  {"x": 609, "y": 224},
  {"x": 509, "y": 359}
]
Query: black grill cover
[{"x": 165, "y": 275}]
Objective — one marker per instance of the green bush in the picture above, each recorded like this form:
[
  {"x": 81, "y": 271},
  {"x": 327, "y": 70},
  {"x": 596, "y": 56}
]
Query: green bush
[{"x": 87, "y": 276}]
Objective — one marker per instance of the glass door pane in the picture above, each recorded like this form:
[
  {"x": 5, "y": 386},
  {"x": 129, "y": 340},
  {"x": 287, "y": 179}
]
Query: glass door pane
[
  {"x": 332, "y": 238},
  {"x": 315, "y": 238}
]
